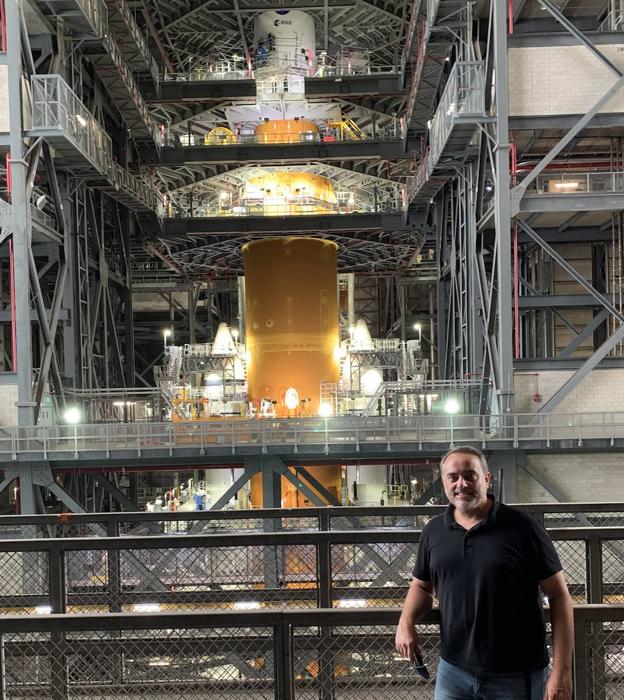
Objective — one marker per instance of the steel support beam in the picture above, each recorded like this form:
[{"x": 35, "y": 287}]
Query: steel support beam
[
  {"x": 21, "y": 223},
  {"x": 502, "y": 212},
  {"x": 118, "y": 495},
  {"x": 225, "y": 498},
  {"x": 519, "y": 190},
  {"x": 602, "y": 300},
  {"x": 316, "y": 484},
  {"x": 584, "y": 370},
  {"x": 565, "y": 22},
  {"x": 574, "y": 344}
]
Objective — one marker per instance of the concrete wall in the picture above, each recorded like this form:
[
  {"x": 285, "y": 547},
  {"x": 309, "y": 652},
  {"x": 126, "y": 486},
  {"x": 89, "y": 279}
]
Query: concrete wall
[
  {"x": 601, "y": 390},
  {"x": 554, "y": 80},
  {"x": 4, "y": 98},
  {"x": 8, "y": 400},
  {"x": 581, "y": 477},
  {"x": 4, "y": 101}
]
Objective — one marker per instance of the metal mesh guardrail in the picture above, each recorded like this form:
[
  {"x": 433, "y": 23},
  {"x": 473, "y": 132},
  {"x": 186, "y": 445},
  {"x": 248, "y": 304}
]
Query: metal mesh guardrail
[
  {"x": 292, "y": 655},
  {"x": 112, "y": 524},
  {"x": 256, "y": 571},
  {"x": 338, "y": 435}
]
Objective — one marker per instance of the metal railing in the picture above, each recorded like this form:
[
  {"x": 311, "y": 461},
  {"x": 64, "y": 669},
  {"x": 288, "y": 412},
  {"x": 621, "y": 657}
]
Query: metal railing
[
  {"x": 96, "y": 14},
  {"x": 57, "y": 107},
  {"x": 575, "y": 183},
  {"x": 253, "y": 570},
  {"x": 313, "y": 435},
  {"x": 234, "y": 70},
  {"x": 329, "y": 135},
  {"x": 463, "y": 96},
  {"x": 253, "y": 655},
  {"x": 114, "y": 524},
  {"x": 124, "y": 180},
  {"x": 433, "y": 6},
  {"x": 614, "y": 20},
  {"x": 291, "y": 208}
]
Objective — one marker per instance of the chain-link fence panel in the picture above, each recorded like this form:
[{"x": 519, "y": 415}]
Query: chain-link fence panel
[
  {"x": 375, "y": 522},
  {"x": 374, "y": 575},
  {"x": 556, "y": 520},
  {"x": 245, "y": 577},
  {"x": 605, "y": 660},
  {"x": 177, "y": 664},
  {"x": 612, "y": 571},
  {"x": 217, "y": 525},
  {"x": 24, "y": 583},
  {"x": 360, "y": 663},
  {"x": 584, "y": 518},
  {"x": 574, "y": 561}
]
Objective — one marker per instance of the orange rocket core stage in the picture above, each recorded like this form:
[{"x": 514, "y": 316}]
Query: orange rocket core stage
[{"x": 291, "y": 306}]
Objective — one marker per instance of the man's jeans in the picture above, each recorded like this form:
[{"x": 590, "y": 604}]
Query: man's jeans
[{"x": 453, "y": 683}]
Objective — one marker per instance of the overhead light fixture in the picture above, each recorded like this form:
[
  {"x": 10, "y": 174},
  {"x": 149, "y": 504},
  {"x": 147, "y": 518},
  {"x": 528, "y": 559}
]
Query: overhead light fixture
[
  {"x": 159, "y": 662},
  {"x": 325, "y": 410},
  {"x": 246, "y": 605},
  {"x": 291, "y": 400},
  {"x": 567, "y": 185},
  {"x": 351, "y": 603},
  {"x": 451, "y": 406},
  {"x": 72, "y": 415},
  {"x": 146, "y": 607}
]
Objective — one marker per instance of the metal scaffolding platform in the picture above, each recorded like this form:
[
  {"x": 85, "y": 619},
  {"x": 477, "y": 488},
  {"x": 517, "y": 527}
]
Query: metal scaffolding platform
[
  {"x": 383, "y": 437},
  {"x": 82, "y": 145},
  {"x": 204, "y": 89},
  {"x": 175, "y": 228},
  {"x": 391, "y": 147}
]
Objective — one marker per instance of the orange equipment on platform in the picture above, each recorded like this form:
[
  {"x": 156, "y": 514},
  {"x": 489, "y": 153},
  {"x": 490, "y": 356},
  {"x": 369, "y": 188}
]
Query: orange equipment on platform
[
  {"x": 286, "y": 131},
  {"x": 286, "y": 193}
]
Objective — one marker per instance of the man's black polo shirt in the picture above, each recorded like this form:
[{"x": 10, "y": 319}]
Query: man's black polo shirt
[{"x": 485, "y": 580}]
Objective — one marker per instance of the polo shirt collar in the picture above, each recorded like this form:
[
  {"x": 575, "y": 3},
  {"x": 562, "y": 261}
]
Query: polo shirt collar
[{"x": 449, "y": 519}]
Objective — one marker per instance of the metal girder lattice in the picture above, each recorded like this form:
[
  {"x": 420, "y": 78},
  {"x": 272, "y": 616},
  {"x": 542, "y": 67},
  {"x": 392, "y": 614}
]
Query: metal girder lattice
[
  {"x": 213, "y": 29},
  {"x": 382, "y": 252}
]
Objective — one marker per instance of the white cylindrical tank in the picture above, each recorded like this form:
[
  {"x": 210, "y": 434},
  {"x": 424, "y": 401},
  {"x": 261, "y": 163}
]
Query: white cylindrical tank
[{"x": 286, "y": 40}]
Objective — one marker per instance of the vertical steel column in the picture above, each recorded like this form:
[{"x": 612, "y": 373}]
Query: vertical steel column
[
  {"x": 502, "y": 211},
  {"x": 20, "y": 214}
]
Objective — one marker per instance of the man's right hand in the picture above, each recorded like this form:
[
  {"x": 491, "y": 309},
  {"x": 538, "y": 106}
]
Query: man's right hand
[{"x": 406, "y": 641}]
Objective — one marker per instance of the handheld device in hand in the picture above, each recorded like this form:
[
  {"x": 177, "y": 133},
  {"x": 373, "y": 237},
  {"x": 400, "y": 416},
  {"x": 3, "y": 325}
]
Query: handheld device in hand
[{"x": 420, "y": 668}]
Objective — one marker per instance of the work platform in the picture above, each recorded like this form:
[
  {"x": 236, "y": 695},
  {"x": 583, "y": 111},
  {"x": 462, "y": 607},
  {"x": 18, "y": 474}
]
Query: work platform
[
  {"x": 313, "y": 440},
  {"x": 451, "y": 131},
  {"x": 82, "y": 146},
  {"x": 224, "y": 225},
  {"x": 209, "y": 90},
  {"x": 392, "y": 148}
]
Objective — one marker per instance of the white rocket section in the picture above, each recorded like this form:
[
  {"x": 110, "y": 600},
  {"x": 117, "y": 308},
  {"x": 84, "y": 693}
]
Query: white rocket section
[
  {"x": 361, "y": 338},
  {"x": 284, "y": 40},
  {"x": 223, "y": 343}
]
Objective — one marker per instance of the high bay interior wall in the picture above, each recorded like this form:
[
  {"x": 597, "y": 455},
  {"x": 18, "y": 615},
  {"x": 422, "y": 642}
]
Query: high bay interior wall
[{"x": 83, "y": 252}]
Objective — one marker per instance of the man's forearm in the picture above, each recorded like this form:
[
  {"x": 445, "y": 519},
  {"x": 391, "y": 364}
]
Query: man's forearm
[
  {"x": 562, "y": 624},
  {"x": 418, "y": 603}
]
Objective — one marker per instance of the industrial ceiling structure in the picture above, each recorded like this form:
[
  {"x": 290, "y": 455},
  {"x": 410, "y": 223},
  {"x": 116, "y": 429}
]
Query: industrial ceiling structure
[{"x": 465, "y": 157}]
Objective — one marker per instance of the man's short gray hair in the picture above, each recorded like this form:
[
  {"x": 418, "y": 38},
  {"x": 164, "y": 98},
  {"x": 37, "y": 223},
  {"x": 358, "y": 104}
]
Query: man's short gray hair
[{"x": 467, "y": 450}]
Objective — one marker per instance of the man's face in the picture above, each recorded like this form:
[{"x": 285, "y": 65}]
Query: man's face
[{"x": 465, "y": 482}]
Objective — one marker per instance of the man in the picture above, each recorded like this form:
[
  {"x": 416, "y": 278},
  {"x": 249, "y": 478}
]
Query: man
[{"x": 486, "y": 562}]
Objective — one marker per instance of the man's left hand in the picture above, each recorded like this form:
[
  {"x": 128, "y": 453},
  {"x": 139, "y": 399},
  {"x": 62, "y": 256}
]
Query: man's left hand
[{"x": 558, "y": 688}]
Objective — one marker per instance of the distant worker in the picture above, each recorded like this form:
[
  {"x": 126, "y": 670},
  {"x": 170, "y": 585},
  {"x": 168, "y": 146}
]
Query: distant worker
[{"x": 485, "y": 562}]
